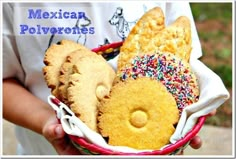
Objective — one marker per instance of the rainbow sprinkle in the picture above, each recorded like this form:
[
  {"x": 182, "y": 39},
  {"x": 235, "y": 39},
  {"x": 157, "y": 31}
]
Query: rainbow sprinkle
[{"x": 166, "y": 68}]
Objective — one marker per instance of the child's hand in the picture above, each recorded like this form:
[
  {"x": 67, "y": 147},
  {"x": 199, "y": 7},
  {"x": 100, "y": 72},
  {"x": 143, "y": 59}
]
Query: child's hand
[
  {"x": 55, "y": 134},
  {"x": 196, "y": 142}
]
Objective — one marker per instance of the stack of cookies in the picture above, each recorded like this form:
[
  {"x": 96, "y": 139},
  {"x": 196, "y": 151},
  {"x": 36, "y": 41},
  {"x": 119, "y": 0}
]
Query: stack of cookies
[
  {"x": 139, "y": 105},
  {"x": 79, "y": 78},
  {"x": 154, "y": 83}
]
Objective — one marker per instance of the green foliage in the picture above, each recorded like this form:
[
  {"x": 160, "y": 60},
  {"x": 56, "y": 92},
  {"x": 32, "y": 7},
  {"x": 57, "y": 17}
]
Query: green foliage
[
  {"x": 221, "y": 119},
  {"x": 223, "y": 53},
  {"x": 225, "y": 73},
  {"x": 212, "y": 35},
  {"x": 221, "y": 11},
  {"x": 215, "y": 34}
]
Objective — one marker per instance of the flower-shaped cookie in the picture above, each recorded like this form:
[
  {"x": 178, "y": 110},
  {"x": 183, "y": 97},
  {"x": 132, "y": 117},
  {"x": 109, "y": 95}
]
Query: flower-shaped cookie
[{"x": 140, "y": 113}]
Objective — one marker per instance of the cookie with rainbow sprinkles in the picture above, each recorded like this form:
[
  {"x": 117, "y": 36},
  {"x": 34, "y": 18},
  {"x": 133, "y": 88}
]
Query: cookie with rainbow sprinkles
[{"x": 174, "y": 73}]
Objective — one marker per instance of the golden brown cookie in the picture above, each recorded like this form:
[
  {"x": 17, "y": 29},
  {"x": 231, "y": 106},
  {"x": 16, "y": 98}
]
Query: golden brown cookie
[
  {"x": 67, "y": 69},
  {"x": 55, "y": 56},
  {"x": 145, "y": 29},
  {"x": 173, "y": 72},
  {"x": 175, "y": 38},
  {"x": 139, "y": 113},
  {"x": 90, "y": 82}
]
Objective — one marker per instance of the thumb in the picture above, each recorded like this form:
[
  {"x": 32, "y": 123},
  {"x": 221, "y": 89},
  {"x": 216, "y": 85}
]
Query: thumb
[{"x": 54, "y": 132}]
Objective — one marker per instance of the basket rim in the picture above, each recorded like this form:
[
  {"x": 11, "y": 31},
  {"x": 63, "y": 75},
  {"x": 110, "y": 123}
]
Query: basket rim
[
  {"x": 107, "y": 46},
  {"x": 166, "y": 150}
]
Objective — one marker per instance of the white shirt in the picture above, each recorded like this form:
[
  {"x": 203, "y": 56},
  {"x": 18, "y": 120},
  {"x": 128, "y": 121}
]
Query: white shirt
[{"x": 24, "y": 49}]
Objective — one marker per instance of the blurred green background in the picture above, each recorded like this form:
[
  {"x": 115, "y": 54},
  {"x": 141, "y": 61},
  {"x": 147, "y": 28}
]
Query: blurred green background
[{"x": 214, "y": 26}]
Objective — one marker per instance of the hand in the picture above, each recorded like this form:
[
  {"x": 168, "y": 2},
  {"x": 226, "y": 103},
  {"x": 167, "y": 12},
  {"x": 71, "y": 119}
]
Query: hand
[
  {"x": 196, "y": 142},
  {"x": 55, "y": 134},
  {"x": 43, "y": 122}
]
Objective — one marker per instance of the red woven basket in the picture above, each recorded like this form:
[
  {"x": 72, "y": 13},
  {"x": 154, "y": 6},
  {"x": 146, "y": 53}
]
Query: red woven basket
[{"x": 109, "y": 51}]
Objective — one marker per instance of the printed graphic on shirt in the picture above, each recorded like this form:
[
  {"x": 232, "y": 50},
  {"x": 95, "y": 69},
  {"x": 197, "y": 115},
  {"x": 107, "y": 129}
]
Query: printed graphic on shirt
[
  {"x": 82, "y": 24},
  {"x": 122, "y": 27},
  {"x": 105, "y": 42},
  {"x": 116, "y": 21},
  {"x": 121, "y": 24}
]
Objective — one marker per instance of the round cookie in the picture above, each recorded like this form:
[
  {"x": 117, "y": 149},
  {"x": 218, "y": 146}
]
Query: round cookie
[
  {"x": 89, "y": 83},
  {"x": 139, "y": 113},
  {"x": 171, "y": 71}
]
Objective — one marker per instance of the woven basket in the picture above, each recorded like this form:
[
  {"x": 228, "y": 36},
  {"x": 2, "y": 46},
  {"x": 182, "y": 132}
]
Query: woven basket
[{"x": 109, "y": 51}]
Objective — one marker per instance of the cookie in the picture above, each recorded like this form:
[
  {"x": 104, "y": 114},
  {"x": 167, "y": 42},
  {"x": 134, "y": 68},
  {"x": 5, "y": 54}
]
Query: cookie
[
  {"x": 67, "y": 69},
  {"x": 90, "y": 82},
  {"x": 175, "y": 38},
  {"x": 145, "y": 29},
  {"x": 139, "y": 113},
  {"x": 54, "y": 57},
  {"x": 173, "y": 72}
]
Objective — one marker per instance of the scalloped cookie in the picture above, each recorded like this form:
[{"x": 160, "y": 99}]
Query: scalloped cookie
[
  {"x": 67, "y": 69},
  {"x": 54, "y": 57},
  {"x": 139, "y": 113},
  {"x": 90, "y": 82}
]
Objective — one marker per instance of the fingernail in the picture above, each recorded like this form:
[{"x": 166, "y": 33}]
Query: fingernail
[{"x": 59, "y": 130}]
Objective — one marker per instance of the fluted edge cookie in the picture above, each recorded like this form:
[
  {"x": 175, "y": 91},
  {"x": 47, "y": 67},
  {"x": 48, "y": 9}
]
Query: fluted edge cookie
[
  {"x": 54, "y": 57},
  {"x": 67, "y": 69},
  {"x": 90, "y": 82},
  {"x": 139, "y": 113}
]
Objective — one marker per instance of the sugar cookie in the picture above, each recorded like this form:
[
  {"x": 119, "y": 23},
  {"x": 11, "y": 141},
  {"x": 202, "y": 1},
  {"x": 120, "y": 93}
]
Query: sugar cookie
[
  {"x": 144, "y": 30},
  {"x": 54, "y": 57},
  {"x": 67, "y": 69},
  {"x": 174, "y": 73},
  {"x": 139, "y": 113},
  {"x": 90, "y": 82}
]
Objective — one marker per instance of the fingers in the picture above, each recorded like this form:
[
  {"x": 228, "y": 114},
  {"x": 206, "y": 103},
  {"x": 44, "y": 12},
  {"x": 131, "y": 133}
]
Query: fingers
[
  {"x": 212, "y": 113},
  {"x": 53, "y": 130},
  {"x": 63, "y": 146},
  {"x": 196, "y": 142},
  {"x": 55, "y": 134}
]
